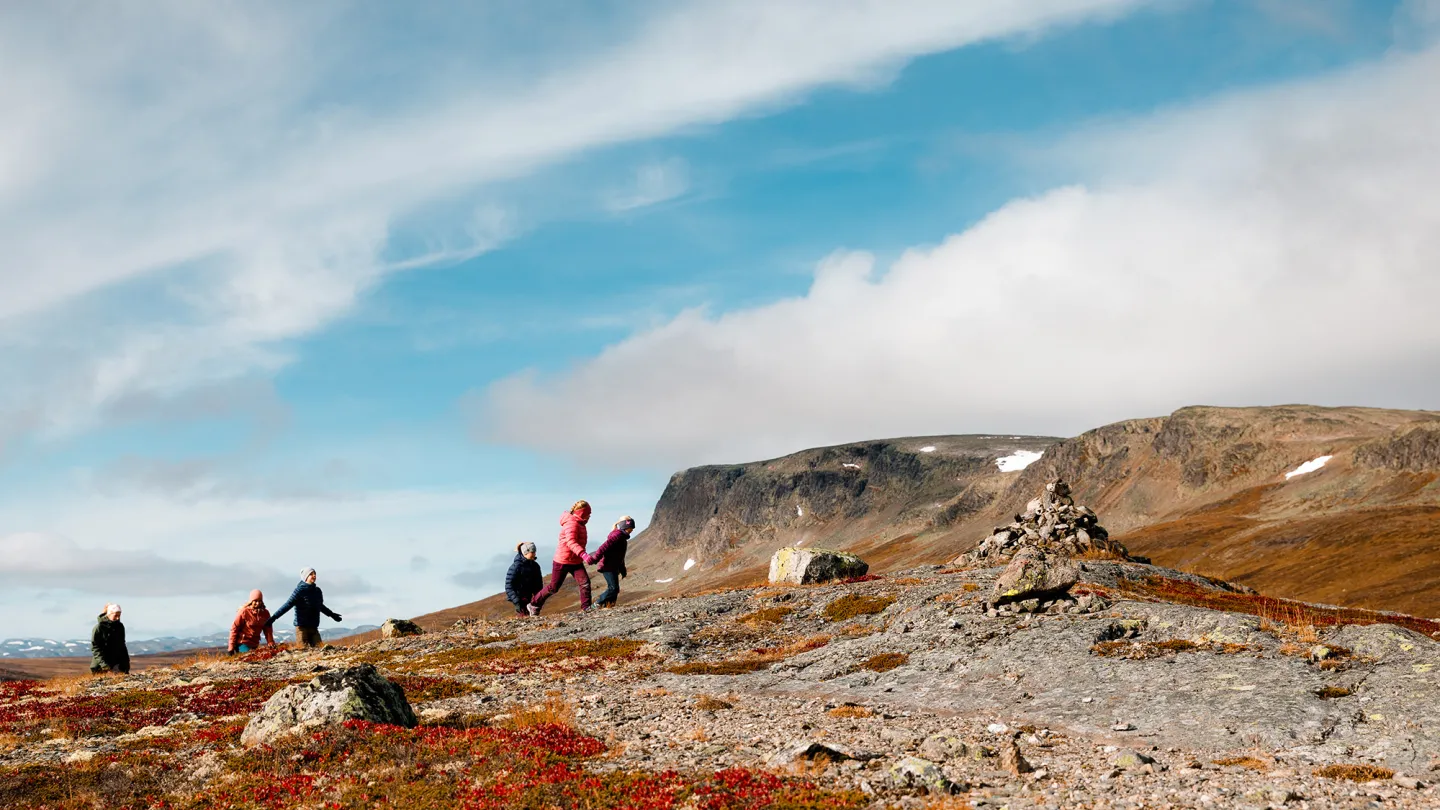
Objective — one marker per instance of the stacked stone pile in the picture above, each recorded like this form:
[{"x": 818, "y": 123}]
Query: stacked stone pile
[{"x": 1053, "y": 524}]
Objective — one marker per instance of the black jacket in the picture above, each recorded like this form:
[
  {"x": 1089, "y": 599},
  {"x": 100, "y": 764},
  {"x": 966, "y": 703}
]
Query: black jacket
[
  {"x": 107, "y": 646},
  {"x": 309, "y": 602},
  {"x": 523, "y": 580}
]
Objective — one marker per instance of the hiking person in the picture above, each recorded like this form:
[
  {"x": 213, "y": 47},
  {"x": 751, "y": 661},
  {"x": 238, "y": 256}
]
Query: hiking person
[
  {"x": 524, "y": 578},
  {"x": 309, "y": 602},
  {"x": 108, "y": 652},
  {"x": 569, "y": 558},
  {"x": 611, "y": 556},
  {"x": 250, "y": 620}
]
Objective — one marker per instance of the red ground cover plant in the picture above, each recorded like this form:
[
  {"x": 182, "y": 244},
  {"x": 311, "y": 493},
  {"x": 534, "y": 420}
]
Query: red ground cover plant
[
  {"x": 362, "y": 765},
  {"x": 129, "y": 710}
]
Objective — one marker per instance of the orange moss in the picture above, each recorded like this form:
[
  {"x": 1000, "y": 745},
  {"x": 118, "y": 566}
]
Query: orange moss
[
  {"x": 771, "y": 615},
  {"x": 850, "y": 710},
  {"x": 1253, "y": 763},
  {"x": 1355, "y": 773},
  {"x": 851, "y": 605},
  {"x": 884, "y": 662}
]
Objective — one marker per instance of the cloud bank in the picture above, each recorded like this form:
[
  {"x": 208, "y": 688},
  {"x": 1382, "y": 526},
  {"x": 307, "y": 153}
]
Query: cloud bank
[
  {"x": 35, "y": 561},
  {"x": 1274, "y": 246}
]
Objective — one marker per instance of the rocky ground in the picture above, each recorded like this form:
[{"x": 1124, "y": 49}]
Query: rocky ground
[{"x": 900, "y": 691}]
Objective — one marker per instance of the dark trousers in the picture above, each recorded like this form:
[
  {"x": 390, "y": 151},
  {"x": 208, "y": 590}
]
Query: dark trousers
[
  {"x": 557, "y": 576},
  {"x": 520, "y": 605},
  {"x": 612, "y": 589}
]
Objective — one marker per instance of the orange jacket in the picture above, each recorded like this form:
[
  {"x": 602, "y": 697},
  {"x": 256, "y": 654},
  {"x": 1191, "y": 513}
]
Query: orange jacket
[{"x": 247, "y": 626}]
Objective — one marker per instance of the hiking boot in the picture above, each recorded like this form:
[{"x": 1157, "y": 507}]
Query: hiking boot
[{"x": 532, "y": 610}]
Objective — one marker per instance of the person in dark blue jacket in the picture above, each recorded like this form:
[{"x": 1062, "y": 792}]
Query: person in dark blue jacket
[
  {"x": 309, "y": 602},
  {"x": 524, "y": 579}
]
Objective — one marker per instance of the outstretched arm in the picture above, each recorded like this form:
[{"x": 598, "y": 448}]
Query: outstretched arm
[{"x": 289, "y": 603}]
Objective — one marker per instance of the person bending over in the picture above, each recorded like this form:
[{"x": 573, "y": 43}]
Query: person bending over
[{"x": 250, "y": 621}]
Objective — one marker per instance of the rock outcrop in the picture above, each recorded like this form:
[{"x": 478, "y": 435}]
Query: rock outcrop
[
  {"x": 805, "y": 566},
  {"x": 399, "y": 628},
  {"x": 354, "y": 693}
]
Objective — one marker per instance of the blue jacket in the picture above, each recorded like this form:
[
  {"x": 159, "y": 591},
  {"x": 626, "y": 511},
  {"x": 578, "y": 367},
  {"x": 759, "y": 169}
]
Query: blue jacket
[
  {"x": 309, "y": 602},
  {"x": 523, "y": 580}
]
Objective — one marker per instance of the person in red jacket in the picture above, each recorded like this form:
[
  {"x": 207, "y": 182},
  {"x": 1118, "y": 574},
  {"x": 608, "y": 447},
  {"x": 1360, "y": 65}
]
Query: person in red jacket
[
  {"x": 569, "y": 558},
  {"x": 252, "y": 619}
]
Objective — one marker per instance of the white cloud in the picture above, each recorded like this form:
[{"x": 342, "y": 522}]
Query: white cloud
[
  {"x": 1273, "y": 246},
  {"x": 185, "y": 188}
]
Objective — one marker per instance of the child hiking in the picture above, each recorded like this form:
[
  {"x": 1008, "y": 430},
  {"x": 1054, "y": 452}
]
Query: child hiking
[
  {"x": 611, "y": 556},
  {"x": 569, "y": 558},
  {"x": 251, "y": 620},
  {"x": 309, "y": 602},
  {"x": 524, "y": 579}
]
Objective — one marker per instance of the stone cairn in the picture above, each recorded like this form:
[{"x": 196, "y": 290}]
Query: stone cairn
[{"x": 1053, "y": 524}]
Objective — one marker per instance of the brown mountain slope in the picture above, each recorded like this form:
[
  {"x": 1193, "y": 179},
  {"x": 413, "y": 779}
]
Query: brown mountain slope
[{"x": 1203, "y": 489}]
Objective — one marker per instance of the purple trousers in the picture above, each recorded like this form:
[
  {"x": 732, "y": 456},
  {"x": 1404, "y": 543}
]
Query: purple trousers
[{"x": 557, "y": 576}]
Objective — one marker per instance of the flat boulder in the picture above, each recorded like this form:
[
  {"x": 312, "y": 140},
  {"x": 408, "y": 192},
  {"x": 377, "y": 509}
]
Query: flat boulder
[
  {"x": 802, "y": 566},
  {"x": 353, "y": 693},
  {"x": 396, "y": 628},
  {"x": 1034, "y": 574}
]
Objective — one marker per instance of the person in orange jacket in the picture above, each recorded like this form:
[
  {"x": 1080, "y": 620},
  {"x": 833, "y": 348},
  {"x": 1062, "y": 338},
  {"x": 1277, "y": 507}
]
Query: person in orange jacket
[{"x": 250, "y": 621}]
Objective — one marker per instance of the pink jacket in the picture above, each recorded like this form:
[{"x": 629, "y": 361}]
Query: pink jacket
[{"x": 573, "y": 536}]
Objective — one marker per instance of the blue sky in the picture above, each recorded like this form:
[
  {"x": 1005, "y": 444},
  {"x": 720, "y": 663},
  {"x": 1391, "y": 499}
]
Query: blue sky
[{"x": 381, "y": 292}]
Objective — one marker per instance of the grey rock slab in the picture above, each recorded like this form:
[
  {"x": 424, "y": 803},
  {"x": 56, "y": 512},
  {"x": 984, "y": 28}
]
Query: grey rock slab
[{"x": 354, "y": 693}]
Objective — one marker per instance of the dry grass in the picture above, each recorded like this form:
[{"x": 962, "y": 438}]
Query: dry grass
[
  {"x": 884, "y": 662},
  {"x": 706, "y": 703},
  {"x": 1099, "y": 554},
  {"x": 757, "y": 659},
  {"x": 771, "y": 615},
  {"x": 1144, "y": 650},
  {"x": 73, "y": 685},
  {"x": 1284, "y": 612},
  {"x": 1333, "y": 692},
  {"x": 698, "y": 734},
  {"x": 852, "y": 605},
  {"x": 554, "y": 711},
  {"x": 850, "y": 710},
  {"x": 1355, "y": 773},
  {"x": 1251, "y": 762}
]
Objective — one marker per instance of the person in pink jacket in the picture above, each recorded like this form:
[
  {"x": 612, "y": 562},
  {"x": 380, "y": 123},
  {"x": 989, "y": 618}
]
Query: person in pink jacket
[{"x": 569, "y": 558}]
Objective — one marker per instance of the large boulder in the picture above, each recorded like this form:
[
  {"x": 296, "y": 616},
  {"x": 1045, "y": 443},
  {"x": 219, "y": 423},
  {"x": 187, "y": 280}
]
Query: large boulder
[
  {"x": 396, "y": 628},
  {"x": 802, "y": 566},
  {"x": 354, "y": 693},
  {"x": 1034, "y": 574}
]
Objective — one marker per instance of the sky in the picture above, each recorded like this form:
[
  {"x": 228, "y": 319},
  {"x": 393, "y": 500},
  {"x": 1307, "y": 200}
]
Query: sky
[{"x": 382, "y": 289}]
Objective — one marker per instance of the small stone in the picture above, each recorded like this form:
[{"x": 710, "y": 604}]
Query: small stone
[
  {"x": 997, "y": 728},
  {"x": 1012, "y": 760},
  {"x": 1131, "y": 759},
  {"x": 1122, "y": 727},
  {"x": 354, "y": 693},
  {"x": 1320, "y": 652},
  {"x": 797, "y": 750},
  {"x": 914, "y": 772},
  {"x": 1407, "y": 781},
  {"x": 943, "y": 747},
  {"x": 1087, "y": 700},
  {"x": 79, "y": 756}
]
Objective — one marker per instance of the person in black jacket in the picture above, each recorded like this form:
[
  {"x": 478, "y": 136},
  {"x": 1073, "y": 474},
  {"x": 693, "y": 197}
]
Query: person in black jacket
[
  {"x": 108, "y": 652},
  {"x": 524, "y": 578},
  {"x": 309, "y": 602}
]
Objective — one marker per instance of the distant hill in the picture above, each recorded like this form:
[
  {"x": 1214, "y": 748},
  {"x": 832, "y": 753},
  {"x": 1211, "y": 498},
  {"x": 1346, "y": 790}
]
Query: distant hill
[
  {"x": 51, "y": 648},
  {"x": 1237, "y": 493}
]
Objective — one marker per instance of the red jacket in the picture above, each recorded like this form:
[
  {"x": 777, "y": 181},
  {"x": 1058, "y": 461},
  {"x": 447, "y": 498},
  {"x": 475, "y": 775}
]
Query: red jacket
[
  {"x": 573, "y": 537},
  {"x": 247, "y": 626}
]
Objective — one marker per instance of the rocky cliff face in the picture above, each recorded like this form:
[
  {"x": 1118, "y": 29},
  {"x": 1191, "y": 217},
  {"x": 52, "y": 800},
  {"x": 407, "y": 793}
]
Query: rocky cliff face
[{"x": 1204, "y": 489}]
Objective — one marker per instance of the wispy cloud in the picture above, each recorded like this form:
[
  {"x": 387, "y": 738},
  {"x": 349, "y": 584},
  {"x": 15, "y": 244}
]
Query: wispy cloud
[
  {"x": 654, "y": 183},
  {"x": 33, "y": 560},
  {"x": 197, "y": 185},
  {"x": 1276, "y": 245}
]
